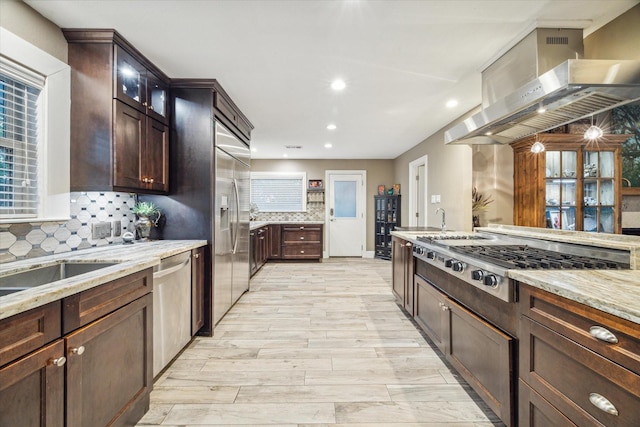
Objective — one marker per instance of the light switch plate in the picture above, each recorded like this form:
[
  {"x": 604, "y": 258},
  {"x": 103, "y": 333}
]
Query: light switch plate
[{"x": 100, "y": 230}]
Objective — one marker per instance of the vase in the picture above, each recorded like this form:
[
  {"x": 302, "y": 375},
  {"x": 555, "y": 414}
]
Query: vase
[
  {"x": 476, "y": 221},
  {"x": 143, "y": 227}
]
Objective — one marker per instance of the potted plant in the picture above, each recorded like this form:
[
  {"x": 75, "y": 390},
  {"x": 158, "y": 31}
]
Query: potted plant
[
  {"x": 480, "y": 203},
  {"x": 147, "y": 215}
]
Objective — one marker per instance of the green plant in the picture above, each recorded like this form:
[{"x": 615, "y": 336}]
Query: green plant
[
  {"x": 479, "y": 201},
  {"x": 147, "y": 209}
]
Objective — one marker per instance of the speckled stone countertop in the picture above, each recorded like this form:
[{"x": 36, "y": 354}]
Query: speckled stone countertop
[
  {"x": 128, "y": 258},
  {"x": 615, "y": 292},
  {"x": 257, "y": 224}
]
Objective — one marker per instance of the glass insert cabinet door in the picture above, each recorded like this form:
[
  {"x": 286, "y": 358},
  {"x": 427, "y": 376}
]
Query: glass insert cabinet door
[
  {"x": 599, "y": 191},
  {"x": 561, "y": 189}
]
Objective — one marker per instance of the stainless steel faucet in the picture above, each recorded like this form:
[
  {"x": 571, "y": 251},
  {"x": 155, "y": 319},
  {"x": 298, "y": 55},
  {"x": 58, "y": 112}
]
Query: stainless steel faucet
[{"x": 443, "y": 226}]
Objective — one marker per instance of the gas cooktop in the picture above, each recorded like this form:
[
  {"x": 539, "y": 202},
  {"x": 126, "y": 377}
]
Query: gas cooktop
[{"x": 526, "y": 257}]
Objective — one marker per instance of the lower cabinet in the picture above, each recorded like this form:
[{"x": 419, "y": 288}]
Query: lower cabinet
[
  {"x": 402, "y": 276},
  {"x": 482, "y": 354},
  {"x": 578, "y": 366},
  {"x": 302, "y": 241},
  {"x": 197, "y": 288},
  {"x": 275, "y": 242},
  {"x": 96, "y": 373},
  {"x": 259, "y": 248}
]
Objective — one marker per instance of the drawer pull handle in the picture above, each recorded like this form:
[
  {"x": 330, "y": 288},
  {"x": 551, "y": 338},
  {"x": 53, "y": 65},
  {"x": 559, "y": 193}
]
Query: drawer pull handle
[
  {"x": 602, "y": 334},
  {"x": 302, "y": 238},
  {"x": 602, "y": 403},
  {"x": 301, "y": 228},
  {"x": 408, "y": 245},
  {"x": 59, "y": 362},
  {"x": 301, "y": 252}
]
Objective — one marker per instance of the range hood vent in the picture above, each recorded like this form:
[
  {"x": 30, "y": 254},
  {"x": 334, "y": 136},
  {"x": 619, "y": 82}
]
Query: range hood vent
[{"x": 573, "y": 90}]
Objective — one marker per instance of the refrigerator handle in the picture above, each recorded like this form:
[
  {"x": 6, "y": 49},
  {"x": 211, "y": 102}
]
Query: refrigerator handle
[{"x": 237, "y": 223}]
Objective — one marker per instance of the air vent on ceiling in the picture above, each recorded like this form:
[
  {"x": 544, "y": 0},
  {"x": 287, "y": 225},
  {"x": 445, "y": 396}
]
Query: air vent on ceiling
[{"x": 293, "y": 147}]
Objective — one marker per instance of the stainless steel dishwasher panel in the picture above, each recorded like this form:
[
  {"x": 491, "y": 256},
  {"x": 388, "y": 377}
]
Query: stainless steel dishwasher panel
[{"x": 171, "y": 308}]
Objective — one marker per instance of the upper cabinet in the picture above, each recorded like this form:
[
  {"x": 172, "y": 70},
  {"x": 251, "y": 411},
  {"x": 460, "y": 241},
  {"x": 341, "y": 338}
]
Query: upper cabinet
[
  {"x": 119, "y": 115},
  {"x": 573, "y": 185}
]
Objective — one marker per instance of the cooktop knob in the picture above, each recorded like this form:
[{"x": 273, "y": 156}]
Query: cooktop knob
[
  {"x": 431, "y": 255},
  {"x": 491, "y": 280},
  {"x": 448, "y": 263},
  {"x": 418, "y": 250},
  {"x": 477, "y": 274},
  {"x": 457, "y": 266}
]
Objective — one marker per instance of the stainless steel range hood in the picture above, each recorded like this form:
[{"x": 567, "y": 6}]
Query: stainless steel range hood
[{"x": 573, "y": 90}]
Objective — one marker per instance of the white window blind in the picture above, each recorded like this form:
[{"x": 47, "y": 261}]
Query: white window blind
[
  {"x": 279, "y": 192},
  {"x": 20, "y": 120}
]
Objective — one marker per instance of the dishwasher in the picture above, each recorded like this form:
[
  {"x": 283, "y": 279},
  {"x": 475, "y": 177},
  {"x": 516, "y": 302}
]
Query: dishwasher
[{"x": 171, "y": 308}]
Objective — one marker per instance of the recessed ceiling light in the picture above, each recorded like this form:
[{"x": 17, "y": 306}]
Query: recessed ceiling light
[
  {"x": 338, "y": 85},
  {"x": 328, "y": 145},
  {"x": 331, "y": 126},
  {"x": 452, "y": 103}
]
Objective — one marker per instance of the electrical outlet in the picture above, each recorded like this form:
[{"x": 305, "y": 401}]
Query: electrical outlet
[
  {"x": 100, "y": 230},
  {"x": 117, "y": 228}
]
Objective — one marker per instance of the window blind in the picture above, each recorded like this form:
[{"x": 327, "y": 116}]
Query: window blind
[
  {"x": 279, "y": 193},
  {"x": 19, "y": 123}
]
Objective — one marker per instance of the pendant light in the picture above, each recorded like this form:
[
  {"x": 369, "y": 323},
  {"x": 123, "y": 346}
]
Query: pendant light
[
  {"x": 537, "y": 147},
  {"x": 594, "y": 132}
]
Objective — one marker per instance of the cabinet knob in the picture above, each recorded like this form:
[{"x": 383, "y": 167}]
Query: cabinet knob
[
  {"x": 151, "y": 107},
  {"x": 444, "y": 307},
  {"x": 151, "y": 180},
  {"x": 301, "y": 252},
  {"x": 302, "y": 238},
  {"x": 408, "y": 245},
  {"x": 60, "y": 361},
  {"x": 145, "y": 179},
  {"x": 77, "y": 350},
  {"x": 144, "y": 103},
  {"x": 196, "y": 256},
  {"x": 301, "y": 228},
  {"x": 602, "y": 403},
  {"x": 603, "y": 334}
]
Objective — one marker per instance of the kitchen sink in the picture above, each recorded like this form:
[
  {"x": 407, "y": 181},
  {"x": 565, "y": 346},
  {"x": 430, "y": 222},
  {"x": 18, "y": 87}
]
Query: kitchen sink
[{"x": 41, "y": 276}]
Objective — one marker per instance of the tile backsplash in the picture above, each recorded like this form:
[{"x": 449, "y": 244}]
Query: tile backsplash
[
  {"x": 34, "y": 239},
  {"x": 315, "y": 212}
]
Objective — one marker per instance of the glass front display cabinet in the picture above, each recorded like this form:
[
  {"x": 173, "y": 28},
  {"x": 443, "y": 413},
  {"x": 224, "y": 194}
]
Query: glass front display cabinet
[{"x": 573, "y": 185}]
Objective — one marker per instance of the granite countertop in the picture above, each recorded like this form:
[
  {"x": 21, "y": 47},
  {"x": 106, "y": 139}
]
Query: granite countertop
[
  {"x": 616, "y": 292},
  {"x": 128, "y": 258},
  {"x": 257, "y": 224}
]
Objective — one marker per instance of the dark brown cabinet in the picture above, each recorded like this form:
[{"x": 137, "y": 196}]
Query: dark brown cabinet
[
  {"x": 259, "y": 248},
  {"x": 119, "y": 116},
  {"x": 275, "y": 242},
  {"x": 481, "y": 353},
  {"x": 197, "y": 289},
  {"x": 301, "y": 241},
  {"x": 402, "y": 266},
  {"x": 82, "y": 361},
  {"x": 577, "y": 362}
]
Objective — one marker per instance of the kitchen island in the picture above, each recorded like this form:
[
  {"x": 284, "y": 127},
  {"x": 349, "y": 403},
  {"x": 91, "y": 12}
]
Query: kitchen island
[{"x": 545, "y": 342}]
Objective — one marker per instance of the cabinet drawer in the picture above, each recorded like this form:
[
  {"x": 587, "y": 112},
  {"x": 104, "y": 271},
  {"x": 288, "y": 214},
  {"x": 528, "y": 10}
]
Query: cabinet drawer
[
  {"x": 85, "y": 307},
  {"x": 300, "y": 251},
  {"x": 25, "y": 332},
  {"x": 534, "y": 411},
  {"x": 567, "y": 375},
  {"x": 575, "y": 321},
  {"x": 301, "y": 227},
  {"x": 301, "y": 236}
]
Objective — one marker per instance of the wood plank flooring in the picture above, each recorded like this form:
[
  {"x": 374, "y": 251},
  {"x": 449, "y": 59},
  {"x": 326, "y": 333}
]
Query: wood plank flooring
[{"x": 315, "y": 345}]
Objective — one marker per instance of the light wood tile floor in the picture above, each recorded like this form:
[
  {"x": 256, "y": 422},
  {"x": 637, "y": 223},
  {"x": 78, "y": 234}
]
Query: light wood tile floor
[{"x": 315, "y": 345}]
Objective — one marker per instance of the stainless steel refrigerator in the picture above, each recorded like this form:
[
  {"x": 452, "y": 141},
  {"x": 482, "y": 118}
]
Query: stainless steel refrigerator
[
  {"x": 209, "y": 193},
  {"x": 231, "y": 221}
]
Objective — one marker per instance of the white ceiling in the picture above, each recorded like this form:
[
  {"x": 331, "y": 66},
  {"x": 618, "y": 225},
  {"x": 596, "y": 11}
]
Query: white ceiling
[{"x": 401, "y": 60}]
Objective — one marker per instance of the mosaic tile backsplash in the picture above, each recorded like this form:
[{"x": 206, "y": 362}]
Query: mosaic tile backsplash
[
  {"x": 315, "y": 212},
  {"x": 30, "y": 240}
]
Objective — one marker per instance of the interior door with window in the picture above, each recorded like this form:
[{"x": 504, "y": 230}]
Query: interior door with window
[{"x": 346, "y": 215}]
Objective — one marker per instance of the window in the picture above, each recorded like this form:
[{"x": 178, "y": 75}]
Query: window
[
  {"x": 279, "y": 192},
  {"x": 19, "y": 118},
  {"x": 34, "y": 152}
]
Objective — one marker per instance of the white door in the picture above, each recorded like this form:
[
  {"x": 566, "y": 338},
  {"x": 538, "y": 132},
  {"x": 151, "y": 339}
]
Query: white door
[
  {"x": 421, "y": 214},
  {"x": 346, "y": 214},
  {"x": 418, "y": 205}
]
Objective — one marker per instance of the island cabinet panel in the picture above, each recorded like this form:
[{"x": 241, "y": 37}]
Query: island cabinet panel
[
  {"x": 109, "y": 368},
  {"x": 481, "y": 351},
  {"x": 580, "y": 361},
  {"x": 28, "y": 331},
  {"x": 402, "y": 273},
  {"x": 32, "y": 389}
]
